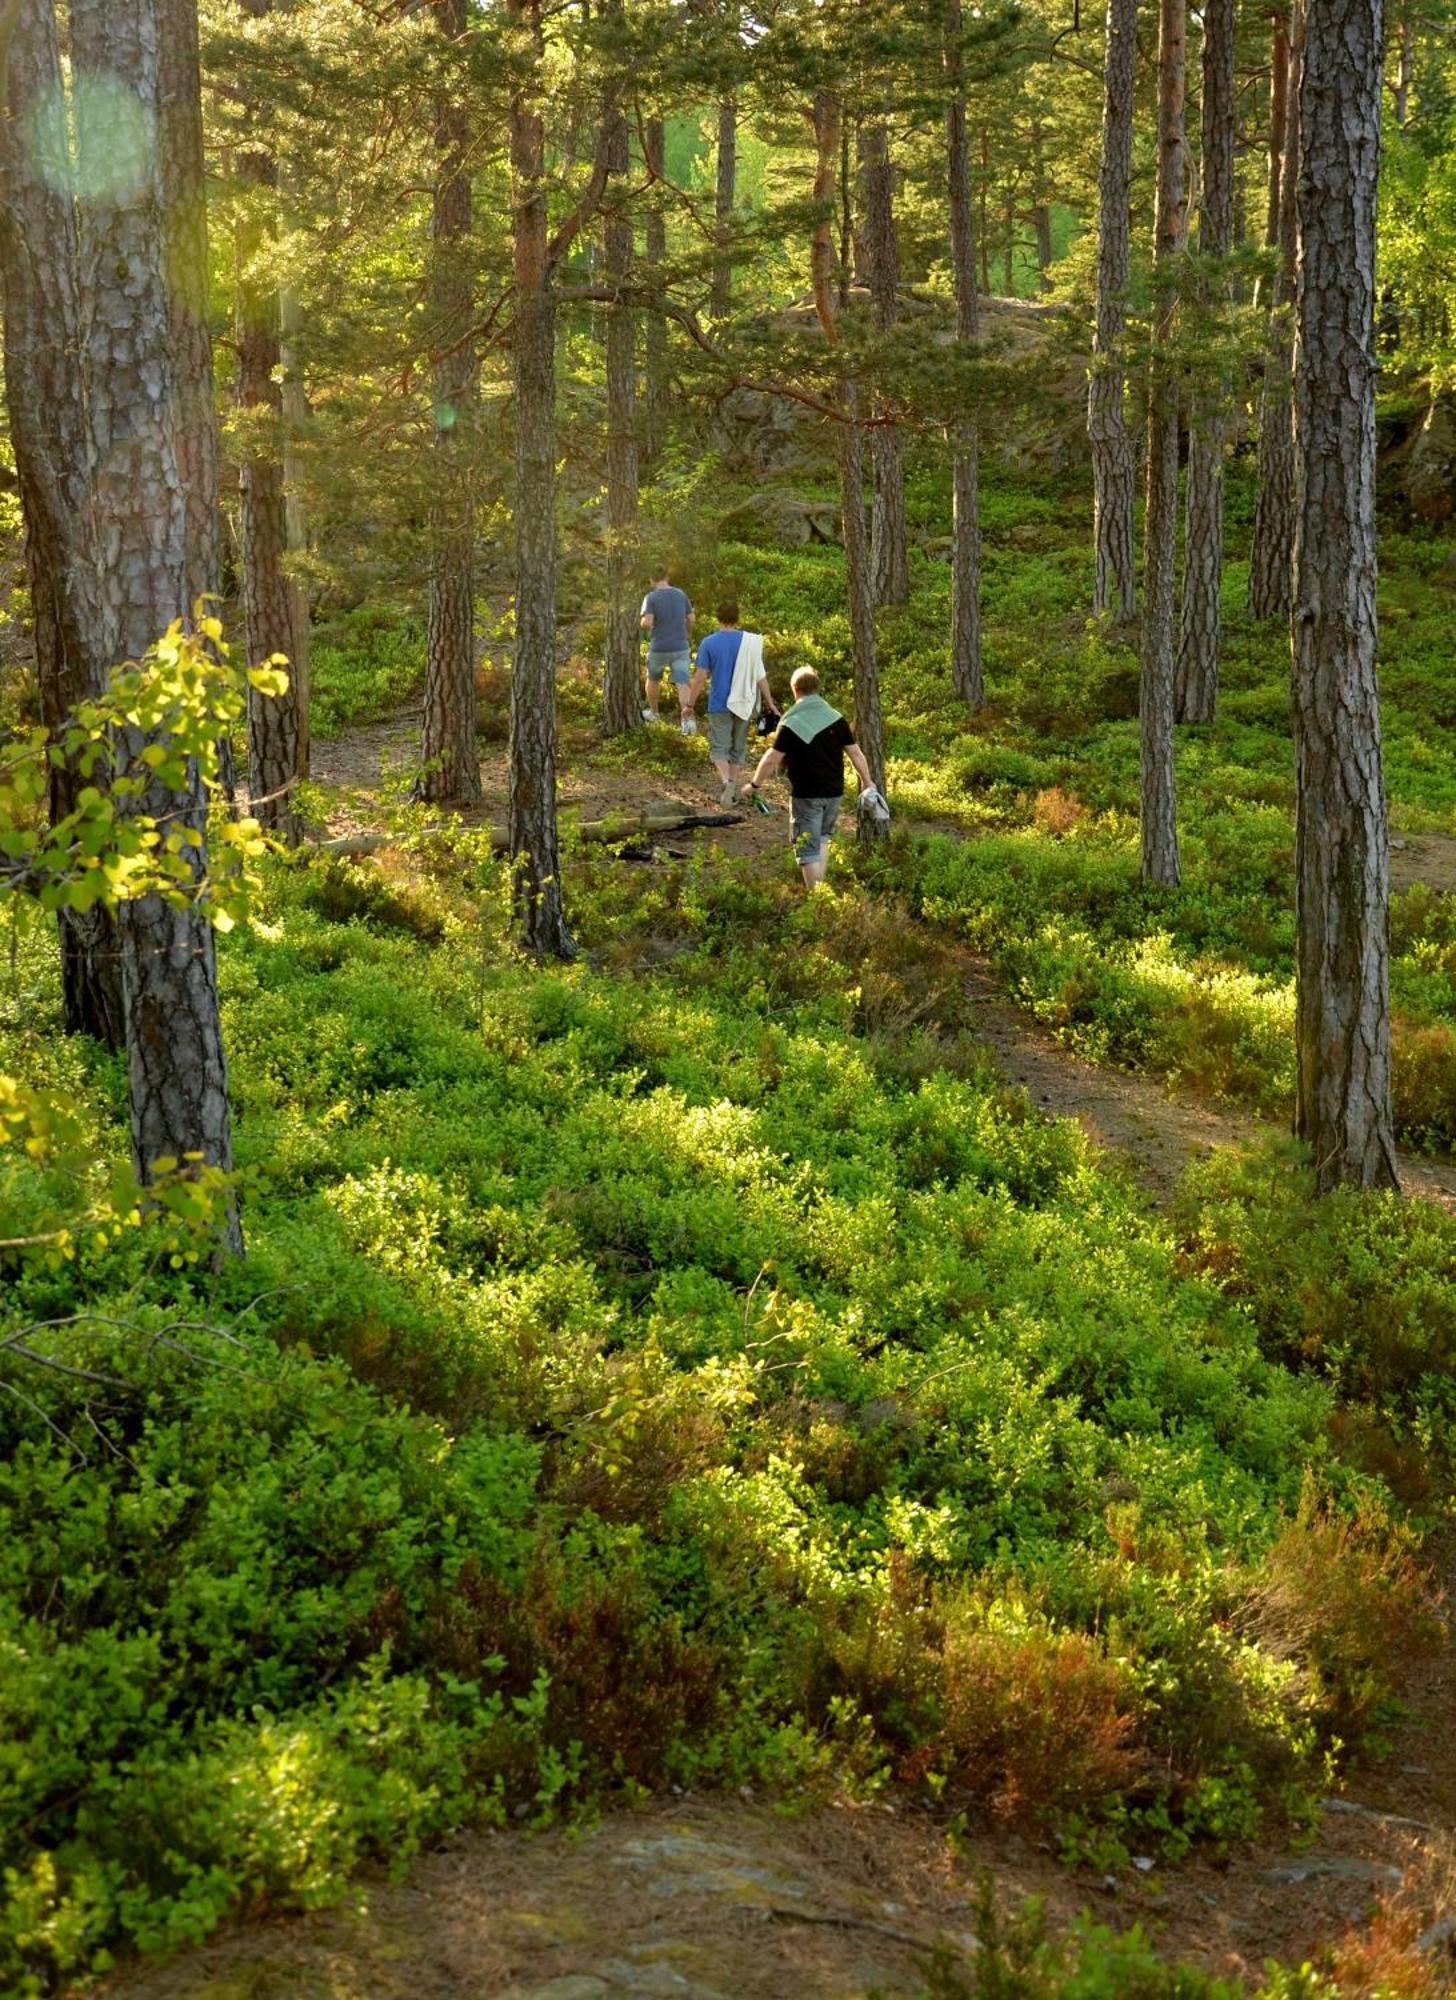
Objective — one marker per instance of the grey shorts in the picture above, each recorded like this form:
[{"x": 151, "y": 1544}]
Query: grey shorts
[
  {"x": 727, "y": 737},
  {"x": 813, "y": 821},
  {"x": 681, "y": 665}
]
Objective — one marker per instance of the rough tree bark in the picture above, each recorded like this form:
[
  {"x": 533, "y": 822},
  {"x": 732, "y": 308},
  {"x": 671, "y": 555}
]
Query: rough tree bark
[
  {"x": 868, "y": 723},
  {"x": 1271, "y": 552},
  {"x": 724, "y": 201},
  {"x": 1197, "y": 690},
  {"x": 621, "y": 699},
  {"x": 148, "y": 391},
  {"x": 184, "y": 197},
  {"x": 1115, "y": 588},
  {"x": 880, "y": 259},
  {"x": 1342, "y": 1014},
  {"x": 49, "y": 436},
  {"x": 533, "y": 836},
  {"x": 1158, "y": 801},
  {"x": 966, "y": 673},
  {"x": 450, "y": 752},
  {"x": 1278, "y": 120},
  {"x": 268, "y": 601},
  {"x": 654, "y": 334},
  {"x": 294, "y": 398}
]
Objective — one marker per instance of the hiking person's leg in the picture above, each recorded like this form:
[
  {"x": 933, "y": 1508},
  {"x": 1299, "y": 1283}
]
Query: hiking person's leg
[
  {"x": 720, "y": 749},
  {"x": 813, "y": 822},
  {"x": 738, "y": 752},
  {"x": 682, "y": 679}
]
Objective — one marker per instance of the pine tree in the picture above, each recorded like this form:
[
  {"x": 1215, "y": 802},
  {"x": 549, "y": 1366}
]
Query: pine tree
[
  {"x": 1197, "y": 689},
  {"x": 1342, "y": 1015},
  {"x": 148, "y": 396},
  {"x": 827, "y": 119},
  {"x": 275, "y": 731},
  {"x": 534, "y": 847},
  {"x": 1271, "y": 552},
  {"x": 1158, "y": 800},
  {"x": 654, "y": 337},
  {"x": 1115, "y": 588},
  {"x": 39, "y": 259},
  {"x": 965, "y": 637},
  {"x": 724, "y": 202},
  {"x": 621, "y": 701},
  {"x": 880, "y": 261},
  {"x": 451, "y": 757}
]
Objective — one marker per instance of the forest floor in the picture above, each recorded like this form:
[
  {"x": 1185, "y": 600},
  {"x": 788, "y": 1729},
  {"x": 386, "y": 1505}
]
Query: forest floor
[
  {"x": 731, "y": 1899},
  {"x": 715, "y": 1897}
]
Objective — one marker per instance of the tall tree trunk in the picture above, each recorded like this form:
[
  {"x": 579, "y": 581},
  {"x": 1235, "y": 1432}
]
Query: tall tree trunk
[
  {"x": 1115, "y": 589},
  {"x": 889, "y": 548},
  {"x": 654, "y": 338},
  {"x": 184, "y": 198},
  {"x": 148, "y": 393},
  {"x": 1271, "y": 552},
  {"x": 1342, "y": 1015},
  {"x": 1197, "y": 693},
  {"x": 294, "y": 403},
  {"x": 49, "y": 435},
  {"x": 724, "y": 203},
  {"x": 1041, "y": 214},
  {"x": 533, "y": 835},
  {"x": 1278, "y": 121},
  {"x": 1405, "y": 70},
  {"x": 869, "y": 726},
  {"x": 268, "y": 600},
  {"x": 827, "y": 121},
  {"x": 621, "y": 699},
  {"x": 451, "y": 755},
  {"x": 965, "y": 576},
  {"x": 1158, "y": 800}
]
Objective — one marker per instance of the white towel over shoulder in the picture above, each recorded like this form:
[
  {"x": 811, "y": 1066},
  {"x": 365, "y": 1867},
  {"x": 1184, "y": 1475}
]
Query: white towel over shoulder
[{"x": 747, "y": 673}]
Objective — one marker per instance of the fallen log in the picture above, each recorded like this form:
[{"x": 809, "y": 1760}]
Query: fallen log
[{"x": 618, "y": 826}]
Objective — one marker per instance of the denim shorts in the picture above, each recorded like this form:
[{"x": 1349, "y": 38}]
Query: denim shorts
[
  {"x": 813, "y": 820},
  {"x": 680, "y": 663}
]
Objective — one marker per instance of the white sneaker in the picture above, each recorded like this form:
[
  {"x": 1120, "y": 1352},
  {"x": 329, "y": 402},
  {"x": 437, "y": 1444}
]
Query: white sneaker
[
  {"x": 689, "y": 727},
  {"x": 650, "y": 715},
  {"x": 729, "y": 794}
]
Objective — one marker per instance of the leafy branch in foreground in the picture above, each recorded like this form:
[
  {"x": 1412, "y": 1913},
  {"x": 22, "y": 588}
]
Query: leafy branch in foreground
[
  {"x": 159, "y": 725},
  {"x": 141, "y": 752}
]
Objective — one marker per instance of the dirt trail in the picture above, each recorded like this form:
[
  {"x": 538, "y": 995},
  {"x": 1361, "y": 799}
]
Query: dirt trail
[
  {"x": 727, "y": 1899},
  {"x": 718, "y": 1899},
  {"x": 1133, "y": 1115}
]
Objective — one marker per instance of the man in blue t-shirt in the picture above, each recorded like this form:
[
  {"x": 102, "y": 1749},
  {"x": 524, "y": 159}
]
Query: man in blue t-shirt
[
  {"x": 667, "y": 618},
  {"x": 727, "y": 732}
]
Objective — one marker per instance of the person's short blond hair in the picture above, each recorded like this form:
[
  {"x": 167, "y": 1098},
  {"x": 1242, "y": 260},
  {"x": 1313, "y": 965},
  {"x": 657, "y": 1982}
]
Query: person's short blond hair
[{"x": 804, "y": 680}]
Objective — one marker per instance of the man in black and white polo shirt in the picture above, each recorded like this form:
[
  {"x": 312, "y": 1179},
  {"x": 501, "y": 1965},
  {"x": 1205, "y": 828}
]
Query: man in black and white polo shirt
[{"x": 813, "y": 741}]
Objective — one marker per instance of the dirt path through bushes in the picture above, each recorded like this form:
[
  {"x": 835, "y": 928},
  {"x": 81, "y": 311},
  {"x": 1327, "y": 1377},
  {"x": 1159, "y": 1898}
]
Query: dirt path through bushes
[{"x": 1131, "y": 1114}]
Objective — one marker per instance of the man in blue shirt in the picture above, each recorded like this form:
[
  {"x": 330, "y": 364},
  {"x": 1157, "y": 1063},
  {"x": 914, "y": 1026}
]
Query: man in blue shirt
[
  {"x": 667, "y": 618},
  {"x": 727, "y": 731}
]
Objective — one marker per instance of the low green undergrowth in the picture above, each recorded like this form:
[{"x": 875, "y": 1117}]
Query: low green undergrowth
[{"x": 692, "y": 1366}]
